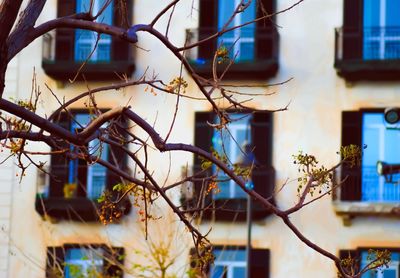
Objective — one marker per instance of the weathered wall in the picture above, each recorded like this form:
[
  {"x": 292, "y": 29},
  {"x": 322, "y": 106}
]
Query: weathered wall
[{"x": 312, "y": 124}]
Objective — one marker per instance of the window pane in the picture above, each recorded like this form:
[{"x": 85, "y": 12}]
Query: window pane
[
  {"x": 229, "y": 143},
  {"x": 390, "y": 272},
  {"x": 83, "y": 262},
  {"x": 97, "y": 173},
  {"x": 230, "y": 263},
  {"x": 392, "y": 13},
  {"x": 218, "y": 272},
  {"x": 238, "y": 255},
  {"x": 85, "y": 40},
  {"x": 238, "y": 40},
  {"x": 239, "y": 272},
  {"x": 371, "y": 13}
]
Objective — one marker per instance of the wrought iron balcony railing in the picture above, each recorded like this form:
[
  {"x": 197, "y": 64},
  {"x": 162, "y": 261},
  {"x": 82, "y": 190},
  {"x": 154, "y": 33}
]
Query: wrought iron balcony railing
[
  {"x": 63, "y": 56},
  {"x": 368, "y": 53},
  {"x": 62, "y": 196},
  {"x": 254, "y": 52}
]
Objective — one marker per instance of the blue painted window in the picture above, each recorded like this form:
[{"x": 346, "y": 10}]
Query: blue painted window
[
  {"x": 83, "y": 262},
  {"x": 96, "y": 173},
  {"x": 85, "y": 40},
  {"x": 229, "y": 263},
  {"x": 231, "y": 142},
  {"x": 383, "y": 144},
  {"x": 381, "y": 29},
  {"x": 391, "y": 272},
  {"x": 240, "y": 41}
]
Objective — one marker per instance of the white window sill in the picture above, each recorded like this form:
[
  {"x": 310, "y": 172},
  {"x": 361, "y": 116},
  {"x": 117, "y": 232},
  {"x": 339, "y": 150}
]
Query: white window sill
[{"x": 349, "y": 210}]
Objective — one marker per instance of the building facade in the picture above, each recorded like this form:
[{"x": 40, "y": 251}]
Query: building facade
[{"x": 342, "y": 62}]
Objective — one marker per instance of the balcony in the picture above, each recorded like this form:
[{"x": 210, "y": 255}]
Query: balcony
[
  {"x": 57, "y": 199},
  {"x": 376, "y": 196},
  {"x": 368, "y": 53},
  {"x": 223, "y": 208},
  {"x": 255, "y": 52},
  {"x": 59, "y": 59}
]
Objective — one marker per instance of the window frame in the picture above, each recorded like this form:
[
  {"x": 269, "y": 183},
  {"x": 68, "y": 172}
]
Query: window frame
[
  {"x": 79, "y": 207},
  {"x": 263, "y": 175},
  {"x": 259, "y": 260},
  {"x": 266, "y": 46},
  {"x": 61, "y": 64},
  {"x": 357, "y": 254},
  {"x": 112, "y": 257}
]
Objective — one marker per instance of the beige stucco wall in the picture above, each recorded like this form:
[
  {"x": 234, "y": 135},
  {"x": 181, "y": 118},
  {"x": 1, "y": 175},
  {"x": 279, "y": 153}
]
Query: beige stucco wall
[{"x": 312, "y": 124}]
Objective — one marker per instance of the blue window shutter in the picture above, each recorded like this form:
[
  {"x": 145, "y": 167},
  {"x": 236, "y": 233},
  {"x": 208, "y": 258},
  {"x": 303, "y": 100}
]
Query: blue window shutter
[{"x": 351, "y": 134}]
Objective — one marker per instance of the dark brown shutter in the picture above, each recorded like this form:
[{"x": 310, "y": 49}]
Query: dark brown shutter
[
  {"x": 59, "y": 164},
  {"x": 266, "y": 34},
  {"x": 65, "y": 38},
  {"x": 118, "y": 153},
  {"x": 122, "y": 17},
  {"x": 55, "y": 262},
  {"x": 259, "y": 263},
  {"x": 351, "y": 134},
  {"x": 121, "y": 159},
  {"x": 195, "y": 263},
  {"x": 261, "y": 134},
  {"x": 352, "y": 253},
  {"x": 113, "y": 260},
  {"x": 203, "y": 139},
  {"x": 352, "y": 29},
  {"x": 208, "y": 23}
]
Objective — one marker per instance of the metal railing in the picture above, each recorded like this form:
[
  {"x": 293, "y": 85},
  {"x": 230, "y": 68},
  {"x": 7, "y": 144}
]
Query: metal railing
[
  {"x": 244, "y": 45},
  {"x": 374, "y": 188},
  {"x": 62, "y": 47},
  {"x": 88, "y": 181},
  {"x": 374, "y": 43}
]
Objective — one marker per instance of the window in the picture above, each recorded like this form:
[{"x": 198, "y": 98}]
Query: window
[
  {"x": 65, "y": 50},
  {"x": 239, "y": 41},
  {"x": 392, "y": 271},
  {"x": 72, "y": 260},
  {"x": 86, "y": 41},
  {"x": 73, "y": 189},
  {"x": 252, "y": 132},
  {"x": 91, "y": 178},
  {"x": 368, "y": 44},
  {"x": 230, "y": 262},
  {"x": 363, "y": 183},
  {"x": 254, "y": 47},
  {"x": 382, "y": 145},
  {"x": 226, "y": 142}
]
